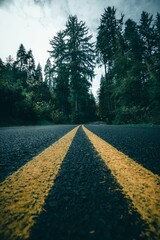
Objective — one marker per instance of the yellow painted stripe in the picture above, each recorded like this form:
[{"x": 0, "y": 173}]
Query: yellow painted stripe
[
  {"x": 138, "y": 183},
  {"x": 22, "y": 195}
]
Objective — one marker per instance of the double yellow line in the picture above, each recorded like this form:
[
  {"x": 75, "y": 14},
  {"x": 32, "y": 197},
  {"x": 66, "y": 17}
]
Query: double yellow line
[{"x": 23, "y": 194}]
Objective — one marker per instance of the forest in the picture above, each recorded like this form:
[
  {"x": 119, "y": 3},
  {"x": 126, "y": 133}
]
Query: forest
[{"x": 129, "y": 92}]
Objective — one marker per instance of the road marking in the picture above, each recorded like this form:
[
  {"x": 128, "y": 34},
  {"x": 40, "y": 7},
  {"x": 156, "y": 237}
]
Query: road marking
[
  {"x": 22, "y": 195},
  {"x": 138, "y": 183}
]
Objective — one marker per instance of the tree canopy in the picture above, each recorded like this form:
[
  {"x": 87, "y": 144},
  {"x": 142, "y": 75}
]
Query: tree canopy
[
  {"x": 129, "y": 89},
  {"x": 73, "y": 61}
]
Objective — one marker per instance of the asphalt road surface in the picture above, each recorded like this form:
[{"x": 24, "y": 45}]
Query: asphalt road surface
[
  {"x": 140, "y": 143},
  {"x": 19, "y": 144},
  {"x": 81, "y": 196}
]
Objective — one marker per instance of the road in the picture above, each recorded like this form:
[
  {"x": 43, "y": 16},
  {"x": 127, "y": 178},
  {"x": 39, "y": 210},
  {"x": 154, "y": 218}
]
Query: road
[
  {"x": 19, "y": 144},
  {"x": 80, "y": 187}
]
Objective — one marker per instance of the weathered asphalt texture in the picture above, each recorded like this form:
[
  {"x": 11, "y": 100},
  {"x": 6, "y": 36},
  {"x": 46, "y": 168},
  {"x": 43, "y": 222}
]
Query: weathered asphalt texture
[
  {"x": 140, "y": 143},
  {"x": 19, "y": 144},
  {"x": 86, "y": 202}
]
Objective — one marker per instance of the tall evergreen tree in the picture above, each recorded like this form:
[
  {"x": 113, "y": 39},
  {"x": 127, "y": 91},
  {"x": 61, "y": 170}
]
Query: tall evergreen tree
[
  {"x": 81, "y": 60},
  {"x": 108, "y": 38},
  {"x": 60, "y": 70},
  {"x": 108, "y": 32},
  {"x": 133, "y": 81},
  {"x": 72, "y": 68},
  {"x": 148, "y": 39}
]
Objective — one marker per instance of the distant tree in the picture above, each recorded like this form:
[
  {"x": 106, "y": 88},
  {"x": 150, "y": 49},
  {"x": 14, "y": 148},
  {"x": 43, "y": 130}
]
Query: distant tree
[
  {"x": 48, "y": 74},
  {"x": 21, "y": 66},
  {"x": 9, "y": 73},
  {"x": 21, "y": 58},
  {"x": 38, "y": 73},
  {"x": 102, "y": 109},
  {"x": 30, "y": 64},
  {"x": 91, "y": 108},
  {"x": 2, "y": 67}
]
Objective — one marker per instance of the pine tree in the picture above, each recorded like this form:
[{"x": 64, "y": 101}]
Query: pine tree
[
  {"x": 60, "y": 73},
  {"x": 102, "y": 99},
  {"x": 30, "y": 64},
  {"x": 133, "y": 81},
  {"x": 21, "y": 58},
  {"x": 81, "y": 61},
  {"x": 38, "y": 73},
  {"x": 9, "y": 70},
  {"x": 108, "y": 38},
  {"x": 146, "y": 29},
  {"x": 72, "y": 68},
  {"x": 148, "y": 38},
  {"x": 109, "y": 30},
  {"x": 48, "y": 73},
  {"x": 21, "y": 66}
]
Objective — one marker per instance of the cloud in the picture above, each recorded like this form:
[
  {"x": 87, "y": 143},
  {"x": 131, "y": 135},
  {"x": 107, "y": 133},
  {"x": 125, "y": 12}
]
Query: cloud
[
  {"x": 3, "y": 2},
  {"x": 134, "y": 8},
  {"x": 6, "y": 3},
  {"x": 87, "y": 10}
]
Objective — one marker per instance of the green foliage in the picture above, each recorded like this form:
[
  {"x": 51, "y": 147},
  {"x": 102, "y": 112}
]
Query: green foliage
[
  {"x": 72, "y": 71},
  {"x": 58, "y": 117},
  {"x": 130, "y": 90},
  {"x": 24, "y": 97},
  {"x": 129, "y": 115}
]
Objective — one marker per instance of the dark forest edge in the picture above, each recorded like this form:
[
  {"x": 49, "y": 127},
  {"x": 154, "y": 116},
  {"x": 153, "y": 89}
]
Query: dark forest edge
[{"x": 129, "y": 92}]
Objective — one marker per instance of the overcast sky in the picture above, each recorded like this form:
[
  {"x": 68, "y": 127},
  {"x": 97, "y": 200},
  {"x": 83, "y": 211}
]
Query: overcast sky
[{"x": 35, "y": 22}]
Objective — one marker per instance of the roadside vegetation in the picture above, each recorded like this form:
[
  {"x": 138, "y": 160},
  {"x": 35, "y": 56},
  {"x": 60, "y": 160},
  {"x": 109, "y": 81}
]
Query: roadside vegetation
[{"x": 129, "y": 91}]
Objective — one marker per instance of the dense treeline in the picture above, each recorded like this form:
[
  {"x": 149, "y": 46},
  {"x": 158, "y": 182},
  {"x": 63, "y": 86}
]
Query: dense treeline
[
  {"x": 63, "y": 96},
  {"x": 24, "y": 96},
  {"x": 130, "y": 86},
  {"x": 130, "y": 52}
]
